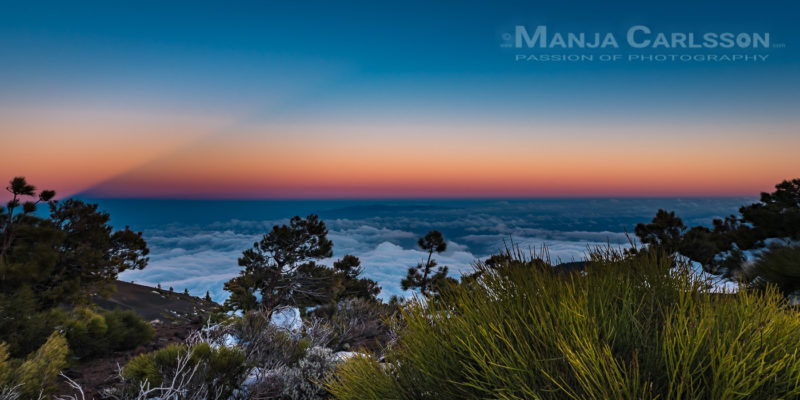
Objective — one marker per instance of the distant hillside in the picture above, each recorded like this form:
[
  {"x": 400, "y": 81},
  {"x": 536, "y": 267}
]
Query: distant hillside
[{"x": 152, "y": 303}]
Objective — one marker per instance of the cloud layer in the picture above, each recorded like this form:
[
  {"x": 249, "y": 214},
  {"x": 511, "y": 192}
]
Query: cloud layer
[{"x": 200, "y": 254}]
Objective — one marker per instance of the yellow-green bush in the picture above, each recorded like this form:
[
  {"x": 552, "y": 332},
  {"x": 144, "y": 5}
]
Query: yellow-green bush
[
  {"x": 215, "y": 369},
  {"x": 626, "y": 328},
  {"x": 144, "y": 368},
  {"x": 38, "y": 372}
]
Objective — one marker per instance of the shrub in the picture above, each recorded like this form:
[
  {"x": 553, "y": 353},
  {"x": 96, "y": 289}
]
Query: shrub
[
  {"x": 93, "y": 334},
  {"x": 200, "y": 371},
  {"x": 268, "y": 346},
  {"x": 288, "y": 364},
  {"x": 22, "y": 325},
  {"x": 36, "y": 375},
  {"x": 90, "y": 333},
  {"x": 127, "y": 330},
  {"x": 304, "y": 382},
  {"x": 362, "y": 323},
  {"x": 222, "y": 367},
  {"x": 353, "y": 323},
  {"x": 84, "y": 329},
  {"x": 144, "y": 368},
  {"x": 625, "y": 328}
]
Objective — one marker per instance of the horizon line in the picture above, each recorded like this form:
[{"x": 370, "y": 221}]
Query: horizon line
[{"x": 416, "y": 198}]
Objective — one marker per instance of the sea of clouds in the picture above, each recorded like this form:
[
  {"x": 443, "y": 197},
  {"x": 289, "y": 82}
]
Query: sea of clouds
[{"x": 200, "y": 255}]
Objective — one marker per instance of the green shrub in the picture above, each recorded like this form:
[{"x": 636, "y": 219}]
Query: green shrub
[
  {"x": 300, "y": 350},
  {"x": 36, "y": 374},
  {"x": 626, "y": 328},
  {"x": 127, "y": 330},
  {"x": 143, "y": 368},
  {"x": 22, "y": 325},
  {"x": 93, "y": 334},
  {"x": 84, "y": 330},
  {"x": 90, "y": 333},
  {"x": 223, "y": 367}
]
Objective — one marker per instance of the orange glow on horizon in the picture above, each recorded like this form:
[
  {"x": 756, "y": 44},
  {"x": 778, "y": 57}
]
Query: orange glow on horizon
[{"x": 127, "y": 155}]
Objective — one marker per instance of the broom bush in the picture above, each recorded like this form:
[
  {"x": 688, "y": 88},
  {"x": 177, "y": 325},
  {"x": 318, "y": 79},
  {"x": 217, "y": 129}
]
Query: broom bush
[{"x": 627, "y": 327}]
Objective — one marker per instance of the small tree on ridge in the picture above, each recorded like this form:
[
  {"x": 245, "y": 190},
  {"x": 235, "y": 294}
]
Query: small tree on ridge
[{"x": 428, "y": 277}]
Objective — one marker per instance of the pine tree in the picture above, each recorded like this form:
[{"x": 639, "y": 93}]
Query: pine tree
[
  {"x": 281, "y": 268},
  {"x": 19, "y": 188},
  {"x": 428, "y": 277},
  {"x": 348, "y": 271},
  {"x": 759, "y": 246}
]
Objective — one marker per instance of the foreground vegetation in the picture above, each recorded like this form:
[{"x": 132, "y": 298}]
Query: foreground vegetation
[
  {"x": 50, "y": 269},
  {"x": 629, "y": 327}
]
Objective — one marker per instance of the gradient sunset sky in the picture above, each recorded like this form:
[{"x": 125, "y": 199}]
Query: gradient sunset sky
[{"x": 299, "y": 99}]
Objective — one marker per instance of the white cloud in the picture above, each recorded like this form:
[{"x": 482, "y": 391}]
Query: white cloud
[{"x": 202, "y": 257}]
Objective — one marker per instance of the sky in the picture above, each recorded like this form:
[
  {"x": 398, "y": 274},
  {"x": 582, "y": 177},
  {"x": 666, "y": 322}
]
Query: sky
[{"x": 319, "y": 99}]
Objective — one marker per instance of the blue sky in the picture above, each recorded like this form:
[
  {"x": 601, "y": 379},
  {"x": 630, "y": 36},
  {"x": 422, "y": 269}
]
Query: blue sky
[{"x": 235, "y": 46}]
